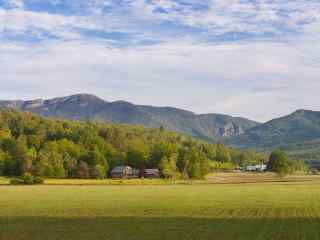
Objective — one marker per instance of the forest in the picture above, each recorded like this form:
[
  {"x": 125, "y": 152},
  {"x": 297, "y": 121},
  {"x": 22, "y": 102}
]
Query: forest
[{"x": 56, "y": 148}]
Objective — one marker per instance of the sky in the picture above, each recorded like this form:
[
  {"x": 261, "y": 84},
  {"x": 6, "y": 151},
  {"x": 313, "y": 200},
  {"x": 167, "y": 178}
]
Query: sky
[{"x": 258, "y": 59}]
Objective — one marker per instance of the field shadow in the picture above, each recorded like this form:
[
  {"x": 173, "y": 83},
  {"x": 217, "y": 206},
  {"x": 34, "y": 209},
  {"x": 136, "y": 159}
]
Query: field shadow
[{"x": 140, "y": 228}]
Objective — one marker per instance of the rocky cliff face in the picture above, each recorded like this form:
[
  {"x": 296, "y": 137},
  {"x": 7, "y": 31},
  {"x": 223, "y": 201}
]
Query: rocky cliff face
[
  {"x": 231, "y": 129},
  {"x": 223, "y": 126},
  {"x": 213, "y": 127}
]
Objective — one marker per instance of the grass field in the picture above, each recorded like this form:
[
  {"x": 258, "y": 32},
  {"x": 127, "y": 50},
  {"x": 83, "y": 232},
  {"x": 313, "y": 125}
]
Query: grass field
[
  {"x": 4, "y": 181},
  {"x": 277, "y": 210},
  {"x": 217, "y": 178}
]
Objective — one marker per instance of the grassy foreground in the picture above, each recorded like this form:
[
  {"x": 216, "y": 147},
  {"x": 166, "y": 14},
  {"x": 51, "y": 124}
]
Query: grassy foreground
[{"x": 212, "y": 211}]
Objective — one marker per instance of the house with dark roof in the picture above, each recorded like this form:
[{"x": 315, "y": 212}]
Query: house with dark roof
[
  {"x": 129, "y": 172},
  {"x": 151, "y": 173},
  {"x": 121, "y": 172}
]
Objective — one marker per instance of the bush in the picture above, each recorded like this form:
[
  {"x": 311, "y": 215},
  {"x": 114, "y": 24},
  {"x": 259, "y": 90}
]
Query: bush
[
  {"x": 38, "y": 180},
  {"x": 27, "y": 179},
  {"x": 16, "y": 181}
]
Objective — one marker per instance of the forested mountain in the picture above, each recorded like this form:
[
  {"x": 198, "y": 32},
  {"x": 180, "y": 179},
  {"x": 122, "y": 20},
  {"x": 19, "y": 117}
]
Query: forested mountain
[
  {"x": 212, "y": 127},
  {"x": 294, "y": 133},
  {"x": 309, "y": 151},
  {"x": 63, "y": 148},
  {"x": 290, "y": 132}
]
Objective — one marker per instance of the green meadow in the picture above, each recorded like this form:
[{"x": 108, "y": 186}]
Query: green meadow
[{"x": 276, "y": 210}]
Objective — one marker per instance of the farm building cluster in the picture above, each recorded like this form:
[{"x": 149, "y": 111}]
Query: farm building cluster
[
  {"x": 252, "y": 168},
  {"x": 128, "y": 172},
  {"x": 256, "y": 168}
]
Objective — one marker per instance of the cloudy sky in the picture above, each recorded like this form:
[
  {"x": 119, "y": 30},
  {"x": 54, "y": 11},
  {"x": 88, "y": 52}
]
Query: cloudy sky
[{"x": 254, "y": 58}]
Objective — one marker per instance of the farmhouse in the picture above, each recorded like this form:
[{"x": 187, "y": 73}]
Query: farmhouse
[
  {"x": 256, "y": 168},
  {"x": 129, "y": 172},
  {"x": 152, "y": 173},
  {"x": 122, "y": 172},
  {"x": 135, "y": 173}
]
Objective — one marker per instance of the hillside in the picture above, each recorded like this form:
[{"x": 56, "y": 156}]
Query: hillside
[
  {"x": 288, "y": 132},
  {"x": 308, "y": 151},
  {"x": 212, "y": 127},
  {"x": 67, "y": 149},
  {"x": 297, "y": 133}
]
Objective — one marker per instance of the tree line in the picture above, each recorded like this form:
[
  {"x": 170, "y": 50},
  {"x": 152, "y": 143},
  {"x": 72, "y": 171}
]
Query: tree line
[{"x": 30, "y": 144}]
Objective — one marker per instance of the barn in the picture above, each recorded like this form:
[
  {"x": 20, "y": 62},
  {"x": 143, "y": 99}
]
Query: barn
[
  {"x": 122, "y": 172},
  {"x": 151, "y": 173}
]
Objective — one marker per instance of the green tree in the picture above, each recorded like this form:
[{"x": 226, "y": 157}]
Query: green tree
[
  {"x": 223, "y": 154},
  {"x": 95, "y": 157},
  {"x": 83, "y": 170},
  {"x": 138, "y": 155},
  {"x": 5, "y": 133},
  {"x": 3, "y": 159},
  {"x": 168, "y": 166},
  {"x": 59, "y": 171},
  {"x": 43, "y": 166},
  {"x": 279, "y": 163},
  {"x": 193, "y": 162},
  {"x": 199, "y": 165},
  {"x": 98, "y": 172},
  {"x": 70, "y": 165},
  {"x": 61, "y": 148}
]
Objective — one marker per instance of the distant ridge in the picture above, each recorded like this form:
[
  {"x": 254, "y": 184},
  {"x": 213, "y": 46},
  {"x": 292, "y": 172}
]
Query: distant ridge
[
  {"x": 300, "y": 127},
  {"x": 212, "y": 127}
]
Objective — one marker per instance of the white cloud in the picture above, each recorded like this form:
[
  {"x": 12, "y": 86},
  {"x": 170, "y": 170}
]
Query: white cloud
[
  {"x": 35, "y": 24},
  {"x": 258, "y": 78},
  {"x": 143, "y": 18},
  {"x": 21, "y": 21},
  {"x": 16, "y": 3},
  {"x": 223, "y": 16}
]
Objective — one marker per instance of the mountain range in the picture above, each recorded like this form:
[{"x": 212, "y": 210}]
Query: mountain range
[
  {"x": 212, "y": 127},
  {"x": 298, "y": 127}
]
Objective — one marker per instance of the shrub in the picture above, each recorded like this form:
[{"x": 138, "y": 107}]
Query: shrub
[
  {"x": 38, "y": 180},
  {"x": 26, "y": 179},
  {"x": 16, "y": 181}
]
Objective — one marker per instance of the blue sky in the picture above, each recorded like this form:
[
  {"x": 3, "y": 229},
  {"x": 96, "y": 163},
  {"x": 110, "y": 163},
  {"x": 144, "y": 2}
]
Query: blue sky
[{"x": 258, "y": 59}]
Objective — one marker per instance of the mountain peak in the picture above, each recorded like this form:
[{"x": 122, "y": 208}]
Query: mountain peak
[
  {"x": 300, "y": 126},
  {"x": 87, "y": 106},
  {"x": 80, "y": 97},
  {"x": 83, "y": 95},
  {"x": 300, "y": 111},
  {"x": 306, "y": 114}
]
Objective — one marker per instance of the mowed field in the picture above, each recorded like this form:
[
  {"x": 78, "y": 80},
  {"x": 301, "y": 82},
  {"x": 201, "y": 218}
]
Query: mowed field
[{"x": 266, "y": 210}]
